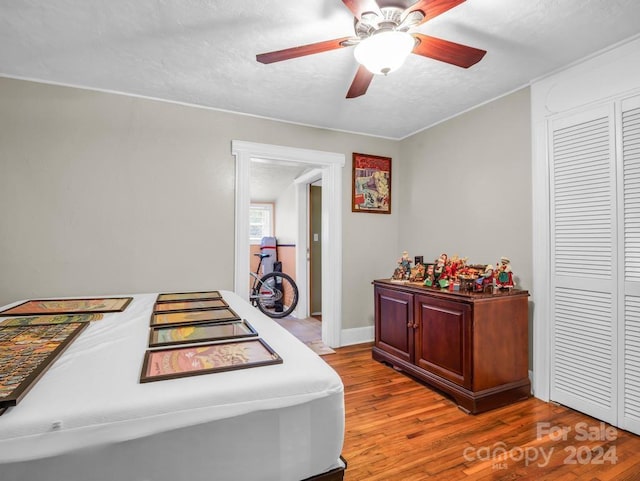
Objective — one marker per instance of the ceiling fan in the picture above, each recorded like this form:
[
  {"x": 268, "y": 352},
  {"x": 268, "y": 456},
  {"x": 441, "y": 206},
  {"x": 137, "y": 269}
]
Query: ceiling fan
[{"x": 383, "y": 39}]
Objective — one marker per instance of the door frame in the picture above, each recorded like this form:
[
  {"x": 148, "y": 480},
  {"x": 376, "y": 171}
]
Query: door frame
[
  {"x": 312, "y": 263},
  {"x": 331, "y": 165},
  {"x": 302, "y": 183},
  {"x": 576, "y": 87}
]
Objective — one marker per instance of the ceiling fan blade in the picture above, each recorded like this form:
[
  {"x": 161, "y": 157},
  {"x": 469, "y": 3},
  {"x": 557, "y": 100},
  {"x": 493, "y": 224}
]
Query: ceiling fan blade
[
  {"x": 358, "y": 7},
  {"x": 432, "y": 8},
  {"x": 301, "y": 51},
  {"x": 360, "y": 83},
  {"x": 446, "y": 51}
]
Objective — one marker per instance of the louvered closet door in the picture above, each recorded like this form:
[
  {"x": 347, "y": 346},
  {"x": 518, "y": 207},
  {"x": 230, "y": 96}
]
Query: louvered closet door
[
  {"x": 629, "y": 392},
  {"x": 583, "y": 260}
]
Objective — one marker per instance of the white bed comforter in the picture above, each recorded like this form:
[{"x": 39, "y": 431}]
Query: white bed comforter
[{"x": 91, "y": 396}]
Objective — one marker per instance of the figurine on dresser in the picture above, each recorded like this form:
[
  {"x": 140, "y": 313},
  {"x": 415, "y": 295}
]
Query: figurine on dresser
[
  {"x": 486, "y": 280},
  {"x": 417, "y": 273},
  {"x": 504, "y": 276},
  {"x": 440, "y": 270},
  {"x": 403, "y": 271},
  {"x": 430, "y": 276}
]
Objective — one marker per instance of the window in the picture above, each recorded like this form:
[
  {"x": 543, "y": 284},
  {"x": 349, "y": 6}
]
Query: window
[{"x": 260, "y": 222}]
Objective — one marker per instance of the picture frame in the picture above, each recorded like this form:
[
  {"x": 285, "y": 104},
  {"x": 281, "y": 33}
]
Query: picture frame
[
  {"x": 36, "y": 307},
  {"x": 26, "y": 352},
  {"x": 55, "y": 319},
  {"x": 371, "y": 184},
  {"x": 201, "y": 332},
  {"x": 193, "y": 360},
  {"x": 188, "y": 296},
  {"x": 193, "y": 305},
  {"x": 193, "y": 317}
]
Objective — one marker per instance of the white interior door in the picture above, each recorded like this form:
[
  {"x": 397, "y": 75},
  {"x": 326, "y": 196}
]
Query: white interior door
[
  {"x": 629, "y": 175},
  {"x": 583, "y": 262}
]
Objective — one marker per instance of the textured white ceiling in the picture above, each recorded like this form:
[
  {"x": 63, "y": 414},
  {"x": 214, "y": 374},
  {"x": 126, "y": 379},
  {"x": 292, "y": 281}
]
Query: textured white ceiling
[
  {"x": 269, "y": 180},
  {"x": 203, "y": 53}
]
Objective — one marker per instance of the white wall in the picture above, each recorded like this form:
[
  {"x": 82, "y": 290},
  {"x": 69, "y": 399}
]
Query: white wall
[
  {"x": 286, "y": 227},
  {"x": 103, "y": 193}
]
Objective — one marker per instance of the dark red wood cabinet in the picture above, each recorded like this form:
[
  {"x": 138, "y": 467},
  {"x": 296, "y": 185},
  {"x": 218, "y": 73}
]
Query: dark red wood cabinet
[{"x": 471, "y": 346}]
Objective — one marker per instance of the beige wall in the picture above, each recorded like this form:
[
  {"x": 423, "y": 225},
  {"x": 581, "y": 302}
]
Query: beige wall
[
  {"x": 466, "y": 187},
  {"x": 103, "y": 194}
]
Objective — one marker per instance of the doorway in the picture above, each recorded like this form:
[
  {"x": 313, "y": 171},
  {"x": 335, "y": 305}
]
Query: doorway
[
  {"x": 273, "y": 216},
  {"x": 330, "y": 166}
]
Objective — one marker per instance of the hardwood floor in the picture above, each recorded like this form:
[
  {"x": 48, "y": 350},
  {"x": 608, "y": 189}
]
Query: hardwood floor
[
  {"x": 399, "y": 430},
  {"x": 307, "y": 330}
]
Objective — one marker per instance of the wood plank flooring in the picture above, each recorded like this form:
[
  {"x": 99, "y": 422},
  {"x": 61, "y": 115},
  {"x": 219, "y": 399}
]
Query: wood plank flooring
[
  {"x": 308, "y": 330},
  {"x": 397, "y": 429}
]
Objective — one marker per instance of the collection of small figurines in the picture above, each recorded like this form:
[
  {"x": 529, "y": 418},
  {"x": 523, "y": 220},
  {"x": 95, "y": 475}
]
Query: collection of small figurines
[
  {"x": 455, "y": 274},
  {"x": 403, "y": 271}
]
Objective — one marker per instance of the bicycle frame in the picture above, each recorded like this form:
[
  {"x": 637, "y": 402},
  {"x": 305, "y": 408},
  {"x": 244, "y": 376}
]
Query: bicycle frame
[
  {"x": 274, "y": 293},
  {"x": 253, "y": 296}
]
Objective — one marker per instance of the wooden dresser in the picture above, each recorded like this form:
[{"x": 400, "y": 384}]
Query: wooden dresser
[{"x": 472, "y": 346}]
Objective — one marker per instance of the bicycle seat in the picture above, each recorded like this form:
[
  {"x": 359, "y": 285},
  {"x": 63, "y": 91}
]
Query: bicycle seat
[{"x": 262, "y": 256}]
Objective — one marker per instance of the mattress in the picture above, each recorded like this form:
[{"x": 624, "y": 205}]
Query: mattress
[{"x": 89, "y": 417}]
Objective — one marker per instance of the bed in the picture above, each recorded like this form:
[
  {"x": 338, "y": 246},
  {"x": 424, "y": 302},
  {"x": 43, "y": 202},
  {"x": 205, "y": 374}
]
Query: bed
[{"x": 89, "y": 417}]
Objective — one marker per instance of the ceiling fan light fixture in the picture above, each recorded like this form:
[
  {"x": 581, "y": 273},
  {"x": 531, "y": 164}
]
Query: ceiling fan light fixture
[{"x": 384, "y": 51}]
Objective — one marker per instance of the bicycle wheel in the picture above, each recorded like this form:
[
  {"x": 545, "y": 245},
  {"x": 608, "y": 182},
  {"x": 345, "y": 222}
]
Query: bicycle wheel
[{"x": 278, "y": 294}]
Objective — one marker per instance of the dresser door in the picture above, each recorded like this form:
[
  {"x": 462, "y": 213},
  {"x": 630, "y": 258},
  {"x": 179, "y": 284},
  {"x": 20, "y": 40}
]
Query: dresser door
[
  {"x": 394, "y": 323},
  {"x": 443, "y": 338}
]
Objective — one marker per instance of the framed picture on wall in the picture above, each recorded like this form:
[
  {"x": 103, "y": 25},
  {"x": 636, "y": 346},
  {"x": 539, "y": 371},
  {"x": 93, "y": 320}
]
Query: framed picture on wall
[{"x": 371, "y": 189}]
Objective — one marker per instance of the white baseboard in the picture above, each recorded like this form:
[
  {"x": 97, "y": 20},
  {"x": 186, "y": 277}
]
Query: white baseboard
[{"x": 357, "y": 335}]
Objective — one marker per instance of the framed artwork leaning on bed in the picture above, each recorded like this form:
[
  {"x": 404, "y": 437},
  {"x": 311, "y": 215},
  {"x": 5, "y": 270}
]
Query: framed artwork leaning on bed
[
  {"x": 171, "y": 363},
  {"x": 188, "y": 296},
  {"x": 201, "y": 332},
  {"x": 51, "y": 319},
  {"x": 171, "y": 306},
  {"x": 68, "y": 306},
  {"x": 26, "y": 352},
  {"x": 191, "y": 317}
]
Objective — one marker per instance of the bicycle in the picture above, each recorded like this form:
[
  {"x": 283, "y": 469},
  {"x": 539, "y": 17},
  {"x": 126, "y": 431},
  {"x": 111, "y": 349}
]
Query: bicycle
[{"x": 275, "y": 293}]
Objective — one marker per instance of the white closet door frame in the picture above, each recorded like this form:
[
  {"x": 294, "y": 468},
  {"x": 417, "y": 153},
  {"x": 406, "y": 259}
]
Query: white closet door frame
[
  {"x": 612, "y": 76},
  {"x": 584, "y": 260},
  {"x": 628, "y": 146}
]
